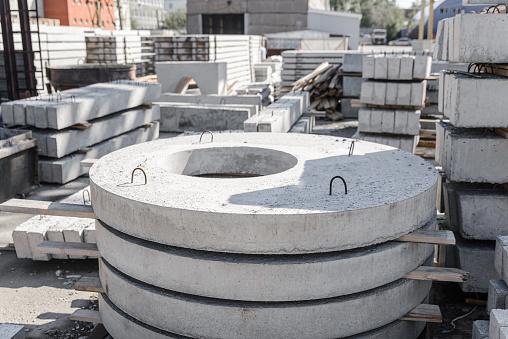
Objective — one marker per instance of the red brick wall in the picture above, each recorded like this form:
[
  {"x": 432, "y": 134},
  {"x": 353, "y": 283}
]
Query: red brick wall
[{"x": 78, "y": 13}]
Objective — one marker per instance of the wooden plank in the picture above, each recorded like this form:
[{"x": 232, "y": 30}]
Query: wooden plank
[
  {"x": 425, "y": 312},
  {"x": 313, "y": 113},
  {"x": 82, "y": 126},
  {"x": 48, "y": 208},
  {"x": 437, "y": 237},
  {"x": 438, "y": 274},
  {"x": 86, "y": 315},
  {"x": 89, "y": 284},
  {"x": 88, "y": 162},
  {"x": 68, "y": 248}
]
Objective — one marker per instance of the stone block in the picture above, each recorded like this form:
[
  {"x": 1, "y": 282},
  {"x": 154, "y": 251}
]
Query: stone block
[
  {"x": 406, "y": 143},
  {"x": 477, "y": 258},
  {"x": 471, "y": 155},
  {"x": 211, "y": 77},
  {"x": 498, "y": 291},
  {"x": 388, "y": 121},
  {"x": 480, "y": 329},
  {"x": 498, "y": 320}
]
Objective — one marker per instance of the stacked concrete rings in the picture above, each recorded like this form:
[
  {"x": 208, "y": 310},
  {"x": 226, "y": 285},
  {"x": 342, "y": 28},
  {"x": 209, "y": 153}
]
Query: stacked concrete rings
[{"x": 240, "y": 237}]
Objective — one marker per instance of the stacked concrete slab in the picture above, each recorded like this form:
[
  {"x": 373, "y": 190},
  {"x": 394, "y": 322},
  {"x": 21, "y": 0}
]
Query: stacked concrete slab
[
  {"x": 39, "y": 228},
  {"x": 280, "y": 116},
  {"x": 240, "y": 52},
  {"x": 298, "y": 64},
  {"x": 395, "y": 91},
  {"x": 472, "y": 155},
  {"x": 352, "y": 81},
  {"x": 86, "y": 122}
]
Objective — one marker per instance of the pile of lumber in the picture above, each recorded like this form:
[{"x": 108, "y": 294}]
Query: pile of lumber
[{"x": 325, "y": 89}]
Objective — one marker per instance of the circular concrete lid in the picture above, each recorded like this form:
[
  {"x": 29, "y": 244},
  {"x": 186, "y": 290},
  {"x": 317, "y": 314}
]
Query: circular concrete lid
[{"x": 386, "y": 188}]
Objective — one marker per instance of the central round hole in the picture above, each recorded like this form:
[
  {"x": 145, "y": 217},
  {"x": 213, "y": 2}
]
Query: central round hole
[{"x": 228, "y": 162}]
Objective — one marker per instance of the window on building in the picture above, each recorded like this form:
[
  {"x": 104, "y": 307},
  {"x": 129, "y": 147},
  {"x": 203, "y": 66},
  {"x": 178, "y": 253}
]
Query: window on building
[
  {"x": 75, "y": 21},
  {"x": 79, "y": 2},
  {"x": 223, "y": 24},
  {"x": 73, "y": 2},
  {"x": 86, "y": 21},
  {"x": 81, "y": 21}
]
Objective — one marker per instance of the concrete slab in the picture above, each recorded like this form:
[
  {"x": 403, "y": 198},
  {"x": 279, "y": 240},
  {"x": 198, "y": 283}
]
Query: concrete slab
[
  {"x": 367, "y": 92},
  {"x": 418, "y": 90},
  {"x": 463, "y": 154},
  {"x": 352, "y": 86},
  {"x": 498, "y": 291},
  {"x": 406, "y": 143},
  {"x": 500, "y": 254},
  {"x": 225, "y": 318},
  {"x": 406, "y": 68},
  {"x": 393, "y": 68},
  {"x": 381, "y": 68},
  {"x": 347, "y": 110},
  {"x": 404, "y": 94},
  {"x": 368, "y": 67},
  {"x": 353, "y": 62},
  {"x": 391, "y": 93},
  {"x": 364, "y": 119},
  {"x": 498, "y": 320},
  {"x": 212, "y": 99},
  {"x": 211, "y": 77},
  {"x": 12, "y": 331},
  {"x": 234, "y": 199},
  {"x": 481, "y": 329},
  {"x": 422, "y": 67},
  {"x": 379, "y": 93}
]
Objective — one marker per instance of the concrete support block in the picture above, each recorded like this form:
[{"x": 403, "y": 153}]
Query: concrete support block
[
  {"x": 388, "y": 121},
  {"x": 464, "y": 153},
  {"x": 393, "y": 68},
  {"x": 406, "y": 68},
  {"x": 404, "y": 94},
  {"x": 406, "y": 143},
  {"x": 477, "y": 211},
  {"x": 347, "y": 110},
  {"x": 352, "y": 86},
  {"x": 211, "y": 77},
  {"x": 498, "y": 291},
  {"x": 368, "y": 66},
  {"x": 212, "y": 99},
  {"x": 12, "y": 331},
  {"x": 478, "y": 110},
  {"x": 353, "y": 62},
  {"x": 480, "y": 329},
  {"x": 500, "y": 255},
  {"x": 381, "y": 68},
  {"x": 379, "y": 93},
  {"x": 367, "y": 92},
  {"x": 391, "y": 93},
  {"x": 422, "y": 67},
  {"x": 364, "y": 120},
  {"x": 438, "y": 49},
  {"x": 498, "y": 320},
  {"x": 477, "y": 258}
]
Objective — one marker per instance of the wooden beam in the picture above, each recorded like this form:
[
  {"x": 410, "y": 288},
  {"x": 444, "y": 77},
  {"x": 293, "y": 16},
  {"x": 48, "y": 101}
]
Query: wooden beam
[
  {"x": 438, "y": 274},
  {"x": 48, "y": 208},
  {"x": 429, "y": 237},
  {"x": 86, "y": 315},
  {"x": 89, "y": 284},
  {"x": 425, "y": 312},
  {"x": 88, "y": 162},
  {"x": 82, "y": 126},
  {"x": 68, "y": 248}
]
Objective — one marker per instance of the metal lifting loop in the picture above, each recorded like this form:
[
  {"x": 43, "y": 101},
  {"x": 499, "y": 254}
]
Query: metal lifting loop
[
  {"x": 89, "y": 199},
  {"x": 341, "y": 178},
  {"x": 132, "y": 176},
  {"x": 351, "y": 148},
  {"x": 204, "y": 133},
  {"x": 221, "y": 100}
]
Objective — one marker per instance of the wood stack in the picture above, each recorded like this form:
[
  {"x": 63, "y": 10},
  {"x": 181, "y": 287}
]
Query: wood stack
[{"x": 324, "y": 86}]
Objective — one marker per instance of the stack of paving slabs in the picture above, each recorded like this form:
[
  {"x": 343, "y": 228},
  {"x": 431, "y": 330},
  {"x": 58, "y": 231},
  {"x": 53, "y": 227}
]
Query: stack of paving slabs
[
  {"x": 472, "y": 145},
  {"x": 393, "y": 96},
  {"x": 240, "y": 52},
  {"x": 86, "y": 123}
]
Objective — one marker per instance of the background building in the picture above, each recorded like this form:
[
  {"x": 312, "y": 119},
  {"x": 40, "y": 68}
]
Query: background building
[
  {"x": 172, "y": 5},
  {"x": 146, "y": 14},
  {"x": 82, "y": 13}
]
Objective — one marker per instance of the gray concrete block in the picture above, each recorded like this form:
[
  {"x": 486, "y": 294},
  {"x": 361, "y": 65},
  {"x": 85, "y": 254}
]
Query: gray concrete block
[
  {"x": 364, "y": 119},
  {"x": 480, "y": 329},
  {"x": 393, "y": 68},
  {"x": 211, "y": 77},
  {"x": 212, "y": 99},
  {"x": 422, "y": 67},
  {"x": 464, "y": 153},
  {"x": 438, "y": 50},
  {"x": 352, "y": 86},
  {"x": 404, "y": 94},
  {"x": 406, "y": 68},
  {"x": 367, "y": 93},
  {"x": 500, "y": 254},
  {"x": 379, "y": 93},
  {"x": 477, "y": 258},
  {"x": 381, "y": 68},
  {"x": 418, "y": 90},
  {"x": 347, "y": 110},
  {"x": 498, "y": 320},
  {"x": 498, "y": 291},
  {"x": 12, "y": 331},
  {"x": 391, "y": 93},
  {"x": 388, "y": 121},
  {"x": 406, "y": 143},
  {"x": 368, "y": 67},
  {"x": 353, "y": 62}
]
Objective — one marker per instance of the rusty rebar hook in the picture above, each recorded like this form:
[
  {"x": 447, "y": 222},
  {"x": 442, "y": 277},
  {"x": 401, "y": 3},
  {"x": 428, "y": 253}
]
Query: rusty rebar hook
[
  {"x": 351, "y": 148},
  {"x": 134, "y": 170},
  {"x": 89, "y": 199},
  {"x": 341, "y": 178},
  {"x": 204, "y": 133}
]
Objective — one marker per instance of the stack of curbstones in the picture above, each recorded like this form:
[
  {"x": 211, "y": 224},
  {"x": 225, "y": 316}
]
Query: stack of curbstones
[{"x": 240, "y": 237}]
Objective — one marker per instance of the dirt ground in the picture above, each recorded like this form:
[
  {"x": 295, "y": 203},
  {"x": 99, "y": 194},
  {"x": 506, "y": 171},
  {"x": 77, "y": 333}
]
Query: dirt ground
[{"x": 40, "y": 295}]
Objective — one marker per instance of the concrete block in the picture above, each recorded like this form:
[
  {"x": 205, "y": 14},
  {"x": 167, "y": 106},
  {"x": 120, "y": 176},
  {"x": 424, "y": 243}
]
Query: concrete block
[
  {"x": 352, "y": 86},
  {"x": 251, "y": 124},
  {"x": 55, "y": 233},
  {"x": 353, "y": 62},
  {"x": 212, "y": 99},
  {"x": 201, "y": 118},
  {"x": 477, "y": 258},
  {"x": 368, "y": 67},
  {"x": 500, "y": 253},
  {"x": 376, "y": 120},
  {"x": 404, "y": 94},
  {"x": 464, "y": 153},
  {"x": 7, "y": 113},
  {"x": 393, "y": 68},
  {"x": 37, "y": 234},
  {"x": 12, "y": 331},
  {"x": 498, "y": 291},
  {"x": 391, "y": 93},
  {"x": 379, "y": 93},
  {"x": 347, "y": 110},
  {"x": 413, "y": 122},
  {"x": 422, "y": 67},
  {"x": 418, "y": 90},
  {"x": 406, "y": 143},
  {"x": 406, "y": 68},
  {"x": 498, "y": 320},
  {"x": 303, "y": 125},
  {"x": 364, "y": 120},
  {"x": 388, "y": 121},
  {"x": 381, "y": 68},
  {"x": 211, "y": 77},
  {"x": 480, "y": 329},
  {"x": 367, "y": 93},
  {"x": 438, "y": 50},
  {"x": 478, "y": 110},
  {"x": 477, "y": 211},
  {"x": 400, "y": 123}
]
